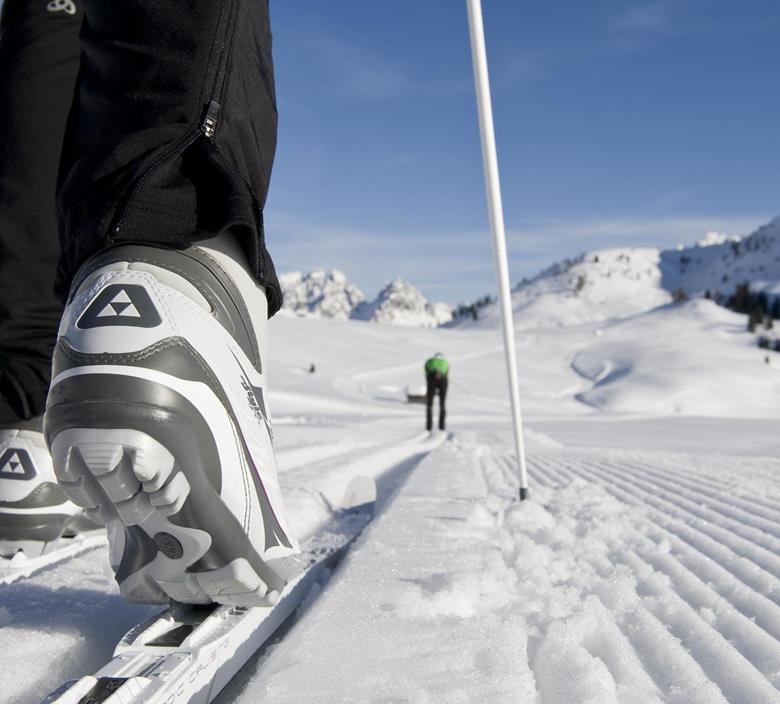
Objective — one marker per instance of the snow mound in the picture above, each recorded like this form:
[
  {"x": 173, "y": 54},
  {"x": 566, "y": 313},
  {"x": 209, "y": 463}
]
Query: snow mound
[
  {"x": 693, "y": 358},
  {"x": 401, "y": 303},
  {"x": 320, "y": 293}
]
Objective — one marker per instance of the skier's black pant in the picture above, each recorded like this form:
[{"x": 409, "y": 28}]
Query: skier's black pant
[
  {"x": 122, "y": 120},
  {"x": 433, "y": 386}
]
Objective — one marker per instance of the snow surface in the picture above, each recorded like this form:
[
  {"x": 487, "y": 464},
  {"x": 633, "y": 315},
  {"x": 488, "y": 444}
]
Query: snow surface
[{"x": 643, "y": 568}]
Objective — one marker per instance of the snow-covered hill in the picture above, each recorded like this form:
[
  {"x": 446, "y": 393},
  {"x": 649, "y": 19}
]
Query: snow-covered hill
[
  {"x": 692, "y": 358},
  {"x": 614, "y": 284},
  {"x": 400, "y": 303},
  {"x": 320, "y": 293},
  {"x": 720, "y": 264},
  {"x": 596, "y": 286}
]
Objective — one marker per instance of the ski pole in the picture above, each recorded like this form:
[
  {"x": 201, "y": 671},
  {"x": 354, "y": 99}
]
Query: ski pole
[{"x": 496, "y": 213}]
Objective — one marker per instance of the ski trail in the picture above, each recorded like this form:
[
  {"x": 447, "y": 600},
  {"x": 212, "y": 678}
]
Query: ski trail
[
  {"x": 624, "y": 579},
  {"x": 757, "y": 645},
  {"x": 735, "y": 614},
  {"x": 756, "y": 529},
  {"x": 736, "y": 507},
  {"x": 737, "y": 678},
  {"x": 627, "y": 577},
  {"x": 78, "y": 600},
  {"x": 292, "y": 458},
  {"x": 383, "y": 615},
  {"x": 311, "y": 490},
  {"x": 719, "y": 545}
]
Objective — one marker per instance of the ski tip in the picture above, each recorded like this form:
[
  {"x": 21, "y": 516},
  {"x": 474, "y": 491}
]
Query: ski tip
[{"x": 360, "y": 493}]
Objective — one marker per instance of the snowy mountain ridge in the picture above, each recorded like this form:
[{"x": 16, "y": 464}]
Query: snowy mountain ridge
[
  {"x": 320, "y": 293},
  {"x": 714, "y": 238},
  {"x": 617, "y": 283},
  {"x": 332, "y": 295},
  {"x": 400, "y": 303},
  {"x": 720, "y": 267},
  {"x": 599, "y": 285}
]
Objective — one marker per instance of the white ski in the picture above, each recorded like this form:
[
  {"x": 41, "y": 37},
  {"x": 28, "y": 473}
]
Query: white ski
[
  {"x": 22, "y": 565},
  {"x": 189, "y": 653}
]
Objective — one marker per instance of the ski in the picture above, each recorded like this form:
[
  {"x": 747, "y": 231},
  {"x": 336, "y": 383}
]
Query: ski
[
  {"x": 23, "y": 564},
  {"x": 189, "y": 653}
]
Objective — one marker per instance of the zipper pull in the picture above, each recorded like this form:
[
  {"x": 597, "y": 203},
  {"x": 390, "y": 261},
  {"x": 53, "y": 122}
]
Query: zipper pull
[{"x": 209, "y": 125}]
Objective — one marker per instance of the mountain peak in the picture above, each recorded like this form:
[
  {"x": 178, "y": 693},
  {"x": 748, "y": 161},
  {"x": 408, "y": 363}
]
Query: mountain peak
[
  {"x": 320, "y": 293},
  {"x": 401, "y": 303},
  {"x": 330, "y": 294}
]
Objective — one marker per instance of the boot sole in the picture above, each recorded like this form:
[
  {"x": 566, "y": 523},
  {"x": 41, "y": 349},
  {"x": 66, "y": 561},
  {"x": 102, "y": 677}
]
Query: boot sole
[
  {"x": 127, "y": 479},
  {"x": 151, "y": 473}
]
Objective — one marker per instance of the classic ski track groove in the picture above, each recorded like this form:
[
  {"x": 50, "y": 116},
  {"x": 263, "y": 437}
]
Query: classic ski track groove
[
  {"x": 738, "y": 546},
  {"x": 703, "y": 552},
  {"x": 722, "y": 561},
  {"x": 710, "y": 550}
]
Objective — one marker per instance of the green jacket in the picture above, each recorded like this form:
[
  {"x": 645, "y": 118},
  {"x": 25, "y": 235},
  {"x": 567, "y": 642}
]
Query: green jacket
[{"x": 437, "y": 365}]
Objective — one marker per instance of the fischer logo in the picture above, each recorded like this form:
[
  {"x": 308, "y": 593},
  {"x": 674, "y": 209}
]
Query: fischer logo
[
  {"x": 120, "y": 305},
  {"x": 16, "y": 464}
]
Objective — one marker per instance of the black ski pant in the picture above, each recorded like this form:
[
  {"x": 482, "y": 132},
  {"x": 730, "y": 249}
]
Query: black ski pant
[
  {"x": 150, "y": 121},
  {"x": 435, "y": 384}
]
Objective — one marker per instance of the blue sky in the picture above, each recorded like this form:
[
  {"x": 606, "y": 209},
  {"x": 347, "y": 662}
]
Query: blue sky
[{"x": 617, "y": 123}]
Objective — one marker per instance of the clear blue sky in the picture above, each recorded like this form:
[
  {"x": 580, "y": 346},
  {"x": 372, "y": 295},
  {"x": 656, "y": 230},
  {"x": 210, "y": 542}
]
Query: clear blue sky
[{"x": 618, "y": 123}]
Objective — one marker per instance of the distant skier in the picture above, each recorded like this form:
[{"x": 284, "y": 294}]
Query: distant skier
[{"x": 436, "y": 371}]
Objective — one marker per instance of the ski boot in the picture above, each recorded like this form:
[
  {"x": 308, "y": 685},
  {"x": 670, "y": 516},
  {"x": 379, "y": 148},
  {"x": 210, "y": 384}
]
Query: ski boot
[
  {"x": 35, "y": 514},
  {"x": 157, "y": 421}
]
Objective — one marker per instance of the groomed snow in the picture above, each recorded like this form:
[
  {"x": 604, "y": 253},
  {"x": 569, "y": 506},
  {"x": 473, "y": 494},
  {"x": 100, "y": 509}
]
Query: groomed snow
[
  {"x": 644, "y": 568},
  {"x": 629, "y": 577}
]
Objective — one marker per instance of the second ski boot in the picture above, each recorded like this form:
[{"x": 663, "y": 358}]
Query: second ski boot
[
  {"x": 34, "y": 512},
  {"x": 157, "y": 420}
]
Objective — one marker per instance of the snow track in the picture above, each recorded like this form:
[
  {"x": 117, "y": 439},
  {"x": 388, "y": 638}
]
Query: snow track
[
  {"x": 64, "y": 621},
  {"x": 705, "y": 561},
  {"x": 629, "y": 576}
]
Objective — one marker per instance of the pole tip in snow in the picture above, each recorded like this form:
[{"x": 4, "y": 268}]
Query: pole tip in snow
[{"x": 523, "y": 493}]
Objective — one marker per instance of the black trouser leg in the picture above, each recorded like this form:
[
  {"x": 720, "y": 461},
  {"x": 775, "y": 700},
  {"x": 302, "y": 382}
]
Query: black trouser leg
[
  {"x": 442, "y": 400},
  {"x": 39, "y": 54},
  {"x": 173, "y": 130},
  {"x": 430, "y": 392}
]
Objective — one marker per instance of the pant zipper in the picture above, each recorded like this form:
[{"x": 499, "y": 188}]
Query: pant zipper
[{"x": 208, "y": 125}]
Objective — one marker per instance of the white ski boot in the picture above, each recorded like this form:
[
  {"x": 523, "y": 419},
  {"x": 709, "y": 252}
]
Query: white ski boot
[
  {"x": 34, "y": 511},
  {"x": 157, "y": 420}
]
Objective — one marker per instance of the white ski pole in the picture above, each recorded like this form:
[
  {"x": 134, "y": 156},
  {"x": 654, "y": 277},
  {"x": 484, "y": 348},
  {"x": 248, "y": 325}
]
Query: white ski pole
[{"x": 495, "y": 209}]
